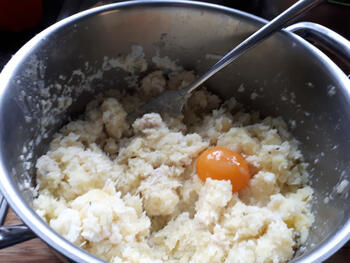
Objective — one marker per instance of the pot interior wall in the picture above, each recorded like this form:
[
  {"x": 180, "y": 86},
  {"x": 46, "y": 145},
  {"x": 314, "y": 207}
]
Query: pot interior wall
[{"x": 286, "y": 77}]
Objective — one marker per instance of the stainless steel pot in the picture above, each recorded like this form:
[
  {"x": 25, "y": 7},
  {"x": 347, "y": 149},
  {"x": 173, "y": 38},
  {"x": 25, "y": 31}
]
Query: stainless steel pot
[{"x": 290, "y": 77}]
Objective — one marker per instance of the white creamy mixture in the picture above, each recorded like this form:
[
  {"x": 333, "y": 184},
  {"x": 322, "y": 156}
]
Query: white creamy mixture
[{"x": 131, "y": 194}]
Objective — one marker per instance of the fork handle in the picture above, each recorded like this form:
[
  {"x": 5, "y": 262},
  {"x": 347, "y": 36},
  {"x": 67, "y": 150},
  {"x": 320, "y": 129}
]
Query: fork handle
[{"x": 299, "y": 8}]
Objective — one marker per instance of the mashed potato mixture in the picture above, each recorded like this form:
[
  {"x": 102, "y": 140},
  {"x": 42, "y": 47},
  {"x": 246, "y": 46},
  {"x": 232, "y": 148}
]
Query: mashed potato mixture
[{"x": 131, "y": 193}]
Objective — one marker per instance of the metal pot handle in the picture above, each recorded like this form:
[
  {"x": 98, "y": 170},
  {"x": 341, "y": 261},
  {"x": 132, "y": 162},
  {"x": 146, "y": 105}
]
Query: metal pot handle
[
  {"x": 11, "y": 235},
  {"x": 3, "y": 209},
  {"x": 326, "y": 39}
]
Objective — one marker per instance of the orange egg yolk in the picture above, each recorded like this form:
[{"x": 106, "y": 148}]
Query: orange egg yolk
[{"x": 220, "y": 163}]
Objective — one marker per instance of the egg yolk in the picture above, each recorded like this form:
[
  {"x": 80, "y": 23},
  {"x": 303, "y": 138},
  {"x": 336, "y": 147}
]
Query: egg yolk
[{"x": 220, "y": 163}]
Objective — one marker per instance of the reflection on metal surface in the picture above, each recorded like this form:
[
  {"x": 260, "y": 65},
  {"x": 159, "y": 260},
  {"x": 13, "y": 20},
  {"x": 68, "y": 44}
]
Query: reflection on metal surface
[
  {"x": 333, "y": 14},
  {"x": 326, "y": 39},
  {"x": 11, "y": 235},
  {"x": 3, "y": 209},
  {"x": 340, "y": 2}
]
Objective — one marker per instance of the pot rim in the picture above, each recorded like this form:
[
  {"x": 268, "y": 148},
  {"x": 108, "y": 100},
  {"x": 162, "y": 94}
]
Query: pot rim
[{"x": 54, "y": 240}]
